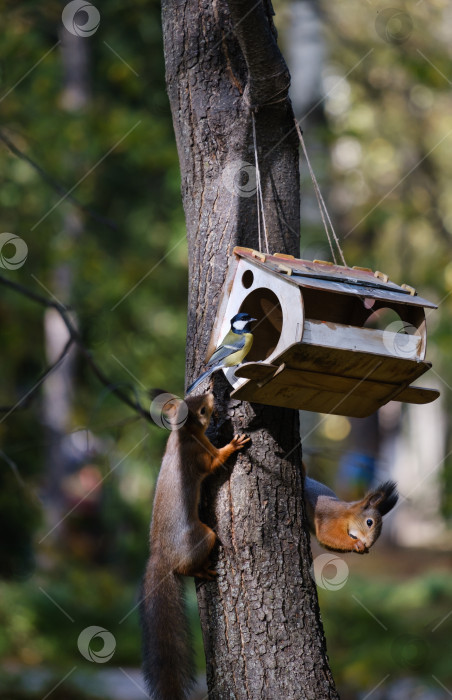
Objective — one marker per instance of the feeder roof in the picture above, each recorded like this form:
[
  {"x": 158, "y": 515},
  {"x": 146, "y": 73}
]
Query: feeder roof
[{"x": 326, "y": 276}]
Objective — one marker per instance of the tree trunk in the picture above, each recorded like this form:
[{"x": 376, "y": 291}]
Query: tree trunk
[
  {"x": 58, "y": 387},
  {"x": 262, "y": 631}
]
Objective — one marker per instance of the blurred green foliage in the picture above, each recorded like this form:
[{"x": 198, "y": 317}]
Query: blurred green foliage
[
  {"x": 41, "y": 619},
  {"x": 387, "y": 138},
  {"x": 128, "y": 288},
  {"x": 388, "y": 624},
  {"x": 128, "y": 284}
]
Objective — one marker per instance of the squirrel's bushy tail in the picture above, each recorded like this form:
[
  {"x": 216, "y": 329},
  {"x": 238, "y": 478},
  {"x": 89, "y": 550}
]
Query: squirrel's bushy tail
[{"x": 166, "y": 644}]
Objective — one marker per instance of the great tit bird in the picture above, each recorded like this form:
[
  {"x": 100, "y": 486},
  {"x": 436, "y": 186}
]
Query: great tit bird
[{"x": 232, "y": 350}]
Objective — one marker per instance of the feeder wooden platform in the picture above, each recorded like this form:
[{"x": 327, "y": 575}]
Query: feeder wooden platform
[{"x": 315, "y": 345}]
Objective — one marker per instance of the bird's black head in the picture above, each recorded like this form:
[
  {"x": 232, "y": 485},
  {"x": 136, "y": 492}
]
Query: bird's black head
[{"x": 241, "y": 323}]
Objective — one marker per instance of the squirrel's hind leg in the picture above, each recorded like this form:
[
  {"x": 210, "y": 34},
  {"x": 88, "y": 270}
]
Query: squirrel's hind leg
[
  {"x": 196, "y": 561},
  {"x": 206, "y": 572}
]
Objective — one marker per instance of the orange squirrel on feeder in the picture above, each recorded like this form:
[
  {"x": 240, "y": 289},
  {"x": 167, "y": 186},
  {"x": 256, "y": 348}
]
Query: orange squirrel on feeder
[{"x": 347, "y": 526}]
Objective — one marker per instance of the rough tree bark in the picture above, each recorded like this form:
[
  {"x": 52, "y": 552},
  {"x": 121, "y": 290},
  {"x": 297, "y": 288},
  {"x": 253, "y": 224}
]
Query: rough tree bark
[{"x": 262, "y": 631}]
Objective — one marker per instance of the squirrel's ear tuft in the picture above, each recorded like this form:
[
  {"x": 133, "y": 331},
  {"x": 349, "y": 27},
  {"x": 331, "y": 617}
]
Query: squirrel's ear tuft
[
  {"x": 164, "y": 403},
  {"x": 383, "y": 498},
  {"x": 171, "y": 407}
]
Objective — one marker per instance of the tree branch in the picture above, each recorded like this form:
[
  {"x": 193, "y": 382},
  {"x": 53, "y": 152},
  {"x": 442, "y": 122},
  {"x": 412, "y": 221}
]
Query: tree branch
[
  {"x": 74, "y": 337},
  {"x": 26, "y": 399},
  {"x": 268, "y": 75},
  {"x": 54, "y": 184}
]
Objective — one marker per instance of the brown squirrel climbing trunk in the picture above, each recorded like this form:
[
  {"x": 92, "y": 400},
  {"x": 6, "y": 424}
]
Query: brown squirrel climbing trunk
[{"x": 262, "y": 632}]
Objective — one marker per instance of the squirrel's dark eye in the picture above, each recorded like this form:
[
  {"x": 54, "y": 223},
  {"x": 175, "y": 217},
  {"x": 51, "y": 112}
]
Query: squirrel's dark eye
[
  {"x": 203, "y": 410},
  {"x": 369, "y": 522}
]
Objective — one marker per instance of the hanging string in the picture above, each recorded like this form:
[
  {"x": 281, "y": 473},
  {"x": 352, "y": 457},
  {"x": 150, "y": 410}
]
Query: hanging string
[
  {"x": 257, "y": 186},
  {"x": 321, "y": 202},
  {"x": 263, "y": 213},
  {"x": 260, "y": 201}
]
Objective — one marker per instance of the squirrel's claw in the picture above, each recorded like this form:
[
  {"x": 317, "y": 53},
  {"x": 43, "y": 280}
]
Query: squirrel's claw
[{"x": 240, "y": 440}]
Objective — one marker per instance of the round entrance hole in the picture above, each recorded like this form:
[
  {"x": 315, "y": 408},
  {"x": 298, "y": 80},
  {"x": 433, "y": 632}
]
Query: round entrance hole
[
  {"x": 263, "y": 304},
  {"x": 247, "y": 279}
]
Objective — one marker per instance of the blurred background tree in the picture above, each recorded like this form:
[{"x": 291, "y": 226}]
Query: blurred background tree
[{"x": 378, "y": 129}]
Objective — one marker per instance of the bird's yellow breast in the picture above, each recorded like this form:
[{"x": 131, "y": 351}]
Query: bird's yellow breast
[{"x": 237, "y": 357}]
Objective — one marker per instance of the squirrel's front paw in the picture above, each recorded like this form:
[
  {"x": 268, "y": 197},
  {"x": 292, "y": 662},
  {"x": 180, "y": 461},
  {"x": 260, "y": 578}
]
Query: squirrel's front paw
[
  {"x": 239, "y": 441},
  {"x": 359, "y": 547}
]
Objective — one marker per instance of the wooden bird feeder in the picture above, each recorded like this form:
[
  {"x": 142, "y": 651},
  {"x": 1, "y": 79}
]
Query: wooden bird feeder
[{"x": 316, "y": 346}]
